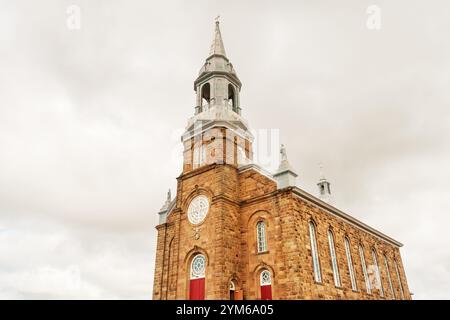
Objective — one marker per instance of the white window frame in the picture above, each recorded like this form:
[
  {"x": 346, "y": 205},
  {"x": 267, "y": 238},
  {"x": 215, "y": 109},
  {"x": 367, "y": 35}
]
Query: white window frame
[
  {"x": 351, "y": 268},
  {"x": 364, "y": 269},
  {"x": 315, "y": 253},
  {"x": 386, "y": 265},
  {"x": 334, "y": 264},
  {"x": 261, "y": 238},
  {"x": 377, "y": 272},
  {"x": 198, "y": 209},
  {"x": 195, "y": 275},
  {"x": 265, "y": 282}
]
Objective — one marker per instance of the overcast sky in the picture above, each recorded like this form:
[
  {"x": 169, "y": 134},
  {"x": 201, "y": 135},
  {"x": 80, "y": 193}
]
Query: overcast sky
[{"x": 90, "y": 121}]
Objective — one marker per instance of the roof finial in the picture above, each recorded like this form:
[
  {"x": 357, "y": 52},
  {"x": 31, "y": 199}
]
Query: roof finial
[
  {"x": 283, "y": 153},
  {"x": 285, "y": 175},
  {"x": 322, "y": 175},
  {"x": 165, "y": 207},
  {"x": 217, "y": 19}
]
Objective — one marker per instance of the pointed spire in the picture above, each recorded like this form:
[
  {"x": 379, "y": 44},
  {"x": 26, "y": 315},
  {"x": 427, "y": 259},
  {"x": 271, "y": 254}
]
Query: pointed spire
[
  {"x": 165, "y": 208},
  {"x": 217, "y": 46}
]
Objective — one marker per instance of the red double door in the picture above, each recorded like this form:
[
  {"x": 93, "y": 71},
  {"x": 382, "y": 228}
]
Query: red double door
[
  {"x": 197, "y": 289},
  {"x": 266, "y": 292}
]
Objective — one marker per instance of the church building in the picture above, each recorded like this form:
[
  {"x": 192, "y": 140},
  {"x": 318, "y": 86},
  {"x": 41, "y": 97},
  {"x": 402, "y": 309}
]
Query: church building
[{"x": 235, "y": 231}]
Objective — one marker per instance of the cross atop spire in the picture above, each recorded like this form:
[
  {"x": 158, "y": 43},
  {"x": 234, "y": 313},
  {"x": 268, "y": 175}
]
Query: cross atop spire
[{"x": 217, "y": 46}]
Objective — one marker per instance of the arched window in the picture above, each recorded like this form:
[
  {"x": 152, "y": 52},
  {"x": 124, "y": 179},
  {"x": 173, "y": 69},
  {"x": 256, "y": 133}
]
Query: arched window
[
  {"x": 377, "y": 272},
  {"x": 334, "y": 264},
  {"x": 265, "y": 282},
  {"x": 231, "y": 97},
  {"x": 364, "y": 269},
  {"x": 351, "y": 269},
  {"x": 314, "y": 252},
  {"x": 232, "y": 290},
  {"x": 386, "y": 265},
  {"x": 197, "y": 278},
  {"x": 206, "y": 96},
  {"x": 261, "y": 236},
  {"x": 397, "y": 271}
]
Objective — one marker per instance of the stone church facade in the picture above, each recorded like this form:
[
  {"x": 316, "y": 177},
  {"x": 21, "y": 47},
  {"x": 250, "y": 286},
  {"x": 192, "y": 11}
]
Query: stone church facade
[{"x": 235, "y": 231}]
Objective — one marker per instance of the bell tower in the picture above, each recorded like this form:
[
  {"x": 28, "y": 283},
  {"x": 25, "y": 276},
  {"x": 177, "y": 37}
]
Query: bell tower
[
  {"x": 217, "y": 84},
  {"x": 199, "y": 232},
  {"x": 217, "y": 133}
]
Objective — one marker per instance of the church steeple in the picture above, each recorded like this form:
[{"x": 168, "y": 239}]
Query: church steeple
[
  {"x": 217, "y": 46},
  {"x": 217, "y": 85},
  {"x": 217, "y": 133}
]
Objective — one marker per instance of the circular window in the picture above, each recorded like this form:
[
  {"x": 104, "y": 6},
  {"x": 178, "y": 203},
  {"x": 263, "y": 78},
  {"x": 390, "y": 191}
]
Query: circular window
[
  {"x": 198, "y": 267},
  {"x": 198, "y": 208}
]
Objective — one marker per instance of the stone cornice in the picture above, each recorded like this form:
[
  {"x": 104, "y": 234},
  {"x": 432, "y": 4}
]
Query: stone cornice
[
  {"x": 259, "y": 198},
  {"x": 226, "y": 199},
  {"x": 219, "y": 123},
  {"x": 342, "y": 215},
  {"x": 197, "y": 171},
  {"x": 258, "y": 169},
  {"x": 209, "y": 74},
  {"x": 297, "y": 192},
  {"x": 326, "y": 207},
  {"x": 164, "y": 225}
]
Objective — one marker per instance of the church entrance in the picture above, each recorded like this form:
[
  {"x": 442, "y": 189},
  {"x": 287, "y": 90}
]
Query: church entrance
[
  {"x": 266, "y": 285},
  {"x": 197, "y": 279}
]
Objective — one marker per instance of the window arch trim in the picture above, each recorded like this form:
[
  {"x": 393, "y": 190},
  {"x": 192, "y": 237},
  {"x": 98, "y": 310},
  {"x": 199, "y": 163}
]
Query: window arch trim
[
  {"x": 388, "y": 271},
  {"x": 377, "y": 272},
  {"x": 261, "y": 236},
  {"x": 198, "y": 267},
  {"x": 333, "y": 257},
  {"x": 265, "y": 278},
  {"x": 314, "y": 252},
  {"x": 350, "y": 265},
  {"x": 364, "y": 269},
  {"x": 399, "y": 279}
]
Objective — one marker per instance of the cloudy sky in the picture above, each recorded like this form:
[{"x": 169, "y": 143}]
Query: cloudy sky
[{"x": 90, "y": 120}]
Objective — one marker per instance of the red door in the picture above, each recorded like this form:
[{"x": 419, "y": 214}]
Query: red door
[
  {"x": 197, "y": 289},
  {"x": 266, "y": 285},
  {"x": 266, "y": 292}
]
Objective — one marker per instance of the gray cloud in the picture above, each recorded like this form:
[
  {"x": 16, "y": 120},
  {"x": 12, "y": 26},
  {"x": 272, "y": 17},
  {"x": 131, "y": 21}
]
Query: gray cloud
[{"x": 90, "y": 120}]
